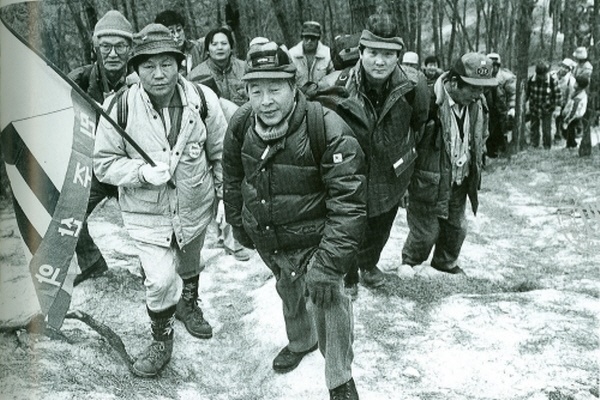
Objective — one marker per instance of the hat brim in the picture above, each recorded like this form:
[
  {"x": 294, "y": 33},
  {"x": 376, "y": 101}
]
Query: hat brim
[
  {"x": 134, "y": 60},
  {"x": 311, "y": 34},
  {"x": 480, "y": 81},
  {"x": 268, "y": 75},
  {"x": 381, "y": 45}
]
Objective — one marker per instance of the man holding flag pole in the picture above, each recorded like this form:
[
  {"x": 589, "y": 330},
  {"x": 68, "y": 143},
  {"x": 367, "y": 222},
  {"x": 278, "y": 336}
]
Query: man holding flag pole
[{"x": 166, "y": 205}]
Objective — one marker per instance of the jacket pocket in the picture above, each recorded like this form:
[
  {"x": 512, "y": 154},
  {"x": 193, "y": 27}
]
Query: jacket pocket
[
  {"x": 424, "y": 186},
  {"x": 405, "y": 161}
]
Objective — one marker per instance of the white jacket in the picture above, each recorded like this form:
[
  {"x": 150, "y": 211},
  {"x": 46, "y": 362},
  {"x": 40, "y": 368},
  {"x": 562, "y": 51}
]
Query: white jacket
[{"x": 153, "y": 214}]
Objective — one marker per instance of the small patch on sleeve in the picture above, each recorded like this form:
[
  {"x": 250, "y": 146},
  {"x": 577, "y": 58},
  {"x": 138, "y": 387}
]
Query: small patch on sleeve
[{"x": 338, "y": 158}]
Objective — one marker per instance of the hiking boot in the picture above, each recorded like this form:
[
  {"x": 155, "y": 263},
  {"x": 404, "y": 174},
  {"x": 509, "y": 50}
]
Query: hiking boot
[
  {"x": 288, "y": 360},
  {"x": 190, "y": 313},
  {"x": 456, "y": 271},
  {"x": 346, "y": 391},
  {"x": 373, "y": 277},
  {"x": 240, "y": 255},
  {"x": 97, "y": 269},
  {"x": 157, "y": 355},
  {"x": 153, "y": 359},
  {"x": 193, "y": 318}
]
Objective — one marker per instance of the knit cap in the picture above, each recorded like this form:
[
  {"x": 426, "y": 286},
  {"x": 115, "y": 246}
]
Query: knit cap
[{"x": 113, "y": 23}]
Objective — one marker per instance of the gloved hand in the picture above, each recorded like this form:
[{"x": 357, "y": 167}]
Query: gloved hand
[
  {"x": 323, "y": 285},
  {"x": 220, "y": 217},
  {"x": 157, "y": 175},
  {"x": 239, "y": 233},
  {"x": 511, "y": 112}
]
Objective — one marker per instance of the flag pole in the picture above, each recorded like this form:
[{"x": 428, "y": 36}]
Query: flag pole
[{"x": 98, "y": 108}]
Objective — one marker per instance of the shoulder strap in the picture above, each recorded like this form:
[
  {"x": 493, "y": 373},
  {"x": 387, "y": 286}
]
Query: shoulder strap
[
  {"x": 316, "y": 130},
  {"x": 120, "y": 100},
  {"x": 204, "y": 107}
]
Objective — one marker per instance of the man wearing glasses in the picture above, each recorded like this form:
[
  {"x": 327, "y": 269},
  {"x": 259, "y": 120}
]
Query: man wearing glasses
[
  {"x": 112, "y": 44},
  {"x": 193, "y": 50},
  {"x": 311, "y": 57}
]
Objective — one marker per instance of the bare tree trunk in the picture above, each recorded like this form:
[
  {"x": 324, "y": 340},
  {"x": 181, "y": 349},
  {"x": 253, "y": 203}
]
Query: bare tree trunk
[
  {"x": 523, "y": 38},
  {"x": 359, "y": 12},
  {"x": 290, "y": 34},
  {"x": 84, "y": 32},
  {"x": 454, "y": 9},
  {"x": 435, "y": 23},
  {"x": 232, "y": 18},
  {"x": 477, "y": 23},
  {"x": 591, "y": 116}
]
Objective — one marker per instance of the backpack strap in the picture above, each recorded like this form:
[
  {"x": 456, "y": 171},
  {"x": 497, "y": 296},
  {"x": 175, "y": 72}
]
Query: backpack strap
[
  {"x": 316, "y": 130},
  {"x": 120, "y": 100},
  {"x": 204, "y": 108}
]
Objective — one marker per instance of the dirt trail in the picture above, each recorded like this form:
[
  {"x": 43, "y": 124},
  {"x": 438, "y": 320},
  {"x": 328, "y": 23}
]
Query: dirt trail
[{"x": 522, "y": 325}]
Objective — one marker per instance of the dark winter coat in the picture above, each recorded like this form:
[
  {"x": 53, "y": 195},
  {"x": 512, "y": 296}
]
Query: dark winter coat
[
  {"x": 432, "y": 179},
  {"x": 89, "y": 79},
  {"x": 286, "y": 200},
  {"x": 390, "y": 147}
]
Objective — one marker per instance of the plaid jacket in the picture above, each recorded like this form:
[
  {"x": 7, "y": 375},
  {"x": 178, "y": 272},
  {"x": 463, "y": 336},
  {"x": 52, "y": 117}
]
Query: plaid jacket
[{"x": 544, "y": 97}]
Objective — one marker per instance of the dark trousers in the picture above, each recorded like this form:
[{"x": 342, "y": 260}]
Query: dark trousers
[
  {"x": 87, "y": 252},
  {"x": 571, "y": 132},
  {"x": 307, "y": 324},
  {"x": 428, "y": 230},
  {"x": 374, "y": 239},
  {"x": 545, "y": 122},
  {"x": 496, "y": 143}
]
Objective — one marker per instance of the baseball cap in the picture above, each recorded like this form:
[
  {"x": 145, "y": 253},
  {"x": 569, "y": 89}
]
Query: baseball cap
[
  {"x": 154, "y": 39},
  {"x": 475, "y": 69},
  {"x": 268, "y": 61},
  {"x": 410, "y": 57},
  {"x": 311, "y": 28}
]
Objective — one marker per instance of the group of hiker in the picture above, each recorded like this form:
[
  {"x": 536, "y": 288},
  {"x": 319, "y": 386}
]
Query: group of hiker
[{"x": 302, "y": 155}]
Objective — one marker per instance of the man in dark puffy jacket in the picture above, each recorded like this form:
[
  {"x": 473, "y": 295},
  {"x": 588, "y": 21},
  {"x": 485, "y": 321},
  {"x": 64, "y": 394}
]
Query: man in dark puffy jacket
[
  {"x": 448, "y": 166},
  {"x": 396, "y": 101},
  {"x": 303, "y": 209},
  {"x": 112, "y": 44}
]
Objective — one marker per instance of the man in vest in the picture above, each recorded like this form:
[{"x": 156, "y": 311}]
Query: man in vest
[{"x": 448, "y": 166}]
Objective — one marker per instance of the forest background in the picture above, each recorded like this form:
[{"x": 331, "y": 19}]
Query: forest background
[{"x": 521, "y": 31}]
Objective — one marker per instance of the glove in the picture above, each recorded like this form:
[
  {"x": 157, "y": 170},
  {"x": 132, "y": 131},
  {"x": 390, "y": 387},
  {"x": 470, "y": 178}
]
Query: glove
[
  {"x": 323, "y": 285},
  {"x": 220, "y": 217},
  {"x": 511, "y": 112},
  {"x": 157, "y": 175},
  {"x": 239, "y": 234}
]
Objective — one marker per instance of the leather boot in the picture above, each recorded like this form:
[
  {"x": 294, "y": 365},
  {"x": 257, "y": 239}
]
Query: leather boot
[
  {"x": 346, "y": 391},
  {"x": 190, "y": 313},
  {"x": 156, "y": 356}
]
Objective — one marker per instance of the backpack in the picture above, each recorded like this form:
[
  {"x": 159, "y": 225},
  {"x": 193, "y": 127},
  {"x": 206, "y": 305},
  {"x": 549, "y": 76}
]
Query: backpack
[{"x": 120, "y": 100}]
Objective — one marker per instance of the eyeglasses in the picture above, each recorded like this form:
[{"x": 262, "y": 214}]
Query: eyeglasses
[{"x": 120, "y": 48}]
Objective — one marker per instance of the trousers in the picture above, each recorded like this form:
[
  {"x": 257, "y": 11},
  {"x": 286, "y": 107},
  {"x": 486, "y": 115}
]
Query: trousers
[
  {"x": 165, "y": 267},
  {"x": 305, "y": 323},
  {"x": 427, "y": 230}
]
